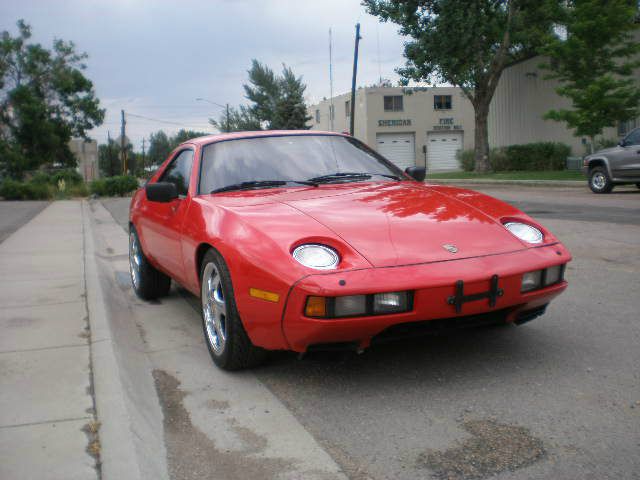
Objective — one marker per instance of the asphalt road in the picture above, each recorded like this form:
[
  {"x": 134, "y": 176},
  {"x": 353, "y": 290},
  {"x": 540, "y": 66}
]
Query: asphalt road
[
  {"x": 15, "y": 214},
  {"x": 556, "y": 398}
]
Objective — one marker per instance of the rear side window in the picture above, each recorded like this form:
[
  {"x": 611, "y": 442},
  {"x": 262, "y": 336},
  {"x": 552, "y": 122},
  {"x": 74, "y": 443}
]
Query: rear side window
[{"x": 179, "y": 171}]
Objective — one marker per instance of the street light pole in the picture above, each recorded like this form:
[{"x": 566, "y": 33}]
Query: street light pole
[{"x": 226, "y": 107}]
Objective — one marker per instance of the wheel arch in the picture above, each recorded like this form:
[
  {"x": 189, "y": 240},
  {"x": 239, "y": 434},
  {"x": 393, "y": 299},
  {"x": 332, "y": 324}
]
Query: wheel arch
[{"x": 599, "y": 162}]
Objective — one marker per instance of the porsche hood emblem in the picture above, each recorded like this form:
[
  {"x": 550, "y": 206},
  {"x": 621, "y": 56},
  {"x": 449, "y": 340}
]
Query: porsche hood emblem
[{"x": 450, "y": 248}]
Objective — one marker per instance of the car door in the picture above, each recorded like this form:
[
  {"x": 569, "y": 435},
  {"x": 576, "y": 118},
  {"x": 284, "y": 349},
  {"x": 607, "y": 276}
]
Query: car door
[
  {"x": 627, "y": 162},
  {"x": 163, "y": 222}
]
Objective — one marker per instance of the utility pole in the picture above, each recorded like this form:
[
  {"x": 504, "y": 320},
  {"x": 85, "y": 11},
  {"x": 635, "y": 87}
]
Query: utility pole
[
  {"x": 123, "y": 151},
  {"x": 228, "y": 125},
  {"x": 330, "y": 82},
  {"x": 109, "y": 155},
  {"x": 353, "y": 81},
  {"x": 143, "y": 153}
]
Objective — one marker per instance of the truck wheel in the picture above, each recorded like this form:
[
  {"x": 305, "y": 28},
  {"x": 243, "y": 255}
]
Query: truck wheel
[
  {"x": 227, "y": 341},
  {"x": 599, "y": 181},
  {"x": 148, "y": 282}
]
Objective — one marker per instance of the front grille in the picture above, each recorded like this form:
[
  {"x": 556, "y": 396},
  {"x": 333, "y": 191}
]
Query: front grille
[{"x": 440, "y": 325}]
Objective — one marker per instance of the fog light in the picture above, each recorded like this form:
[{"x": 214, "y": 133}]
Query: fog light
[
  {"x": 554, "y": 275},
  {"x": 390, "y": 302},
  {"x": 316, "y": 307},
  {"x": 531, "y": 281},
  {"x": 350, "y": 306}
]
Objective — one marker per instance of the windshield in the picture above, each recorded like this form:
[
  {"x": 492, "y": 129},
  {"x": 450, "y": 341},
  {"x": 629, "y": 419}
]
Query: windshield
[{"x": 291, "y": 158}]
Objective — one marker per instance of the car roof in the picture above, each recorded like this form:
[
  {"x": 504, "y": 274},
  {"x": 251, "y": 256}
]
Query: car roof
[{"x": 221, "y": 137}]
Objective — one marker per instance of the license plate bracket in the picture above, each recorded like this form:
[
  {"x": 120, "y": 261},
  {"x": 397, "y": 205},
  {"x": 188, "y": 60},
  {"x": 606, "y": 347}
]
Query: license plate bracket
[{"x": 460, "y": 298}]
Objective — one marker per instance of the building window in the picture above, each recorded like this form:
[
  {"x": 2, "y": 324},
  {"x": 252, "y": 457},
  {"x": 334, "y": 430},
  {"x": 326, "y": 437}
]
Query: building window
[
  {"x": 393, "y": 103},
  {"x": 347, "y": 108},
  {"x": 317, "y": 116},
  {"x": 625, "y": 127},
  {"x": 442, "y": 102}
]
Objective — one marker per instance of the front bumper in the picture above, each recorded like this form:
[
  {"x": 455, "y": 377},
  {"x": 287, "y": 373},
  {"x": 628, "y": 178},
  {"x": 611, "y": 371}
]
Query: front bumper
[{"x": 432, "y": 283}]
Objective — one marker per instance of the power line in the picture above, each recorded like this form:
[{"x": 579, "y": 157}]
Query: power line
[{"x": 161, "y": 121}]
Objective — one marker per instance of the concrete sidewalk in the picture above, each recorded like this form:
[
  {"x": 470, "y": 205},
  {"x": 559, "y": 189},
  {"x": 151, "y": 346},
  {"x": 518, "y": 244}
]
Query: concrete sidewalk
[{"x": 46, "y": 401}]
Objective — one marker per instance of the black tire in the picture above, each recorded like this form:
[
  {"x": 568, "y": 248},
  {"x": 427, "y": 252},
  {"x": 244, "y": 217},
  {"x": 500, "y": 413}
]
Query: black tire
[
  {"x": 637, "y": 185},
  {"x": 599, "y": 180},
  {"x": 230, "y": 348},
  {"x": 151, "y": 283}
]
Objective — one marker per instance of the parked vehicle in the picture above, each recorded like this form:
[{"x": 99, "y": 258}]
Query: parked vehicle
[
  {"x": 613, "y": 166},
  {"x": 296, "y": 240}
]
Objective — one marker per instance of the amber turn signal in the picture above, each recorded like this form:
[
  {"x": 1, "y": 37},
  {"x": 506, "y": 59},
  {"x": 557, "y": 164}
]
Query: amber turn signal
[
  {"x": 264, "y": 295},
  {"x": 316, "y": 307}
]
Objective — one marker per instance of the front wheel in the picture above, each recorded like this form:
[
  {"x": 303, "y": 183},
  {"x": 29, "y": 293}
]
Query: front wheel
[
  {"x": 227, "y": 341},
  {"x": 599, "y": 181}
]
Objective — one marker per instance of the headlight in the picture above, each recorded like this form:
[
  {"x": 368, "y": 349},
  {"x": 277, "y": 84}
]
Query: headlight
[
  {"x": 390, "y": 302},
  {"x": 525, "y": 232},
  {"x": 531, "y": 281},
  {"x": 316, "y": 256}
]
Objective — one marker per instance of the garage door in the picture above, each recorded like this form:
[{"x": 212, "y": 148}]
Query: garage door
[
  {"x": 441, "y": 150},
  {"x": 397, "y": 147}
]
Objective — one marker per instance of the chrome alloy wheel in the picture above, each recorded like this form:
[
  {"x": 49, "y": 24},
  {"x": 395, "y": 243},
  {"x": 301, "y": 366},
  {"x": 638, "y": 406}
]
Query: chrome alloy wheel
[
  {"x": 135, "y": 259},
  {"x": 214, "y": 308},
  {"x": 598, "y": 180}
]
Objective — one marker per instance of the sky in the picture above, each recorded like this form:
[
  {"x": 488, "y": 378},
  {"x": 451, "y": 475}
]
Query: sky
[{"x": 154, "y": 58}]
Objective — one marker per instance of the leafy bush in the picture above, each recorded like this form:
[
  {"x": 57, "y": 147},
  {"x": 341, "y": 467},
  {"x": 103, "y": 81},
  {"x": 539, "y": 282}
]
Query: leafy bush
[
  {"x": 466, "y": 160},
  {"x": 605, "y": 143},
  {"x": 15, "y": 190},
  {"x": 70, "y": 177},
  {"x": 530, "y": 156},
  {"x": 42, "y": 178},
  {"x": 114, "y": 186},
  {"x": 536, "y": 156}
]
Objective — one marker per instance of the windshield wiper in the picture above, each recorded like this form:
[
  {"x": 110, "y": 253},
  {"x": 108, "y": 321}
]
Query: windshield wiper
[
  {"x": 349, "y": 176},
  {"x": 261, "y": 184}
]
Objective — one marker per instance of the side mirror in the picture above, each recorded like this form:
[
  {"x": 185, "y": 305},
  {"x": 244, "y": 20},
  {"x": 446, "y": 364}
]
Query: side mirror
[
  {"x": 162, "y": 192},
  {"x": 622, "y": 143},
  {"x": 418, "y": 173}
]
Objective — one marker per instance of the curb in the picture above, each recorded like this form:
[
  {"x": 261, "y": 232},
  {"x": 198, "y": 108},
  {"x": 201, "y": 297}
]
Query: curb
[
  {"x": 117, "y": 455},
  {"x": 527, "y": 183}
]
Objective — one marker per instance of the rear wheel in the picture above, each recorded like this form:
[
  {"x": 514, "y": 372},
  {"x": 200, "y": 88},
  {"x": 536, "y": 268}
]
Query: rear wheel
[
  {"x": 148, "y": 282},
  {"x": 599, "y": 181},
  {"x": 227, "y": 341},
  {"x": 637, "y": 185}
]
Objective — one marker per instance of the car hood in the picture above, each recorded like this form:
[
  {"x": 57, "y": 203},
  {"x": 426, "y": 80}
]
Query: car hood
[
  {"x": 605, "y": 151},
  {"x": 402, "y": 223}
]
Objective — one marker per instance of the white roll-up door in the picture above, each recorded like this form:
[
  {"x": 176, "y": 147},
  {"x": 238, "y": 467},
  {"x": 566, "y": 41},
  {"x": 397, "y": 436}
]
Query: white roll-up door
[
  {"x": 397, "y": 147},
  {"x": 441, "y": 150}
]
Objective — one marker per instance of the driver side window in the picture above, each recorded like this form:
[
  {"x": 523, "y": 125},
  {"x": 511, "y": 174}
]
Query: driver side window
[
  {"x": 633, "y": 138},
  {"x": 179, "y": 171}
]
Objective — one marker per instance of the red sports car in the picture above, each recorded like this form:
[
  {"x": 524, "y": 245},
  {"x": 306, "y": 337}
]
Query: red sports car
[{"x": 299, "y": 240}]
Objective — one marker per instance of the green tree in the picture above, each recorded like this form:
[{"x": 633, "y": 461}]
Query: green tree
[
  {"x": 159, "y": 148},
  {"x": 109, "y": 159},
  {"x": 291, "y": 111},
  {"x": 276, "y": 101},
  {"x": 44, "y": 100},
  {"x": 595, "y": 63},
  {"x": 468, "y": 43},
  {"x": 240, "y": 119},
  {"x": 184, "y": 135}
]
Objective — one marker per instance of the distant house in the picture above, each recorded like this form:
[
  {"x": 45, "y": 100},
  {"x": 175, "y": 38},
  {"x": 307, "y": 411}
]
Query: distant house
[{"x": 86, "y": 152}]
